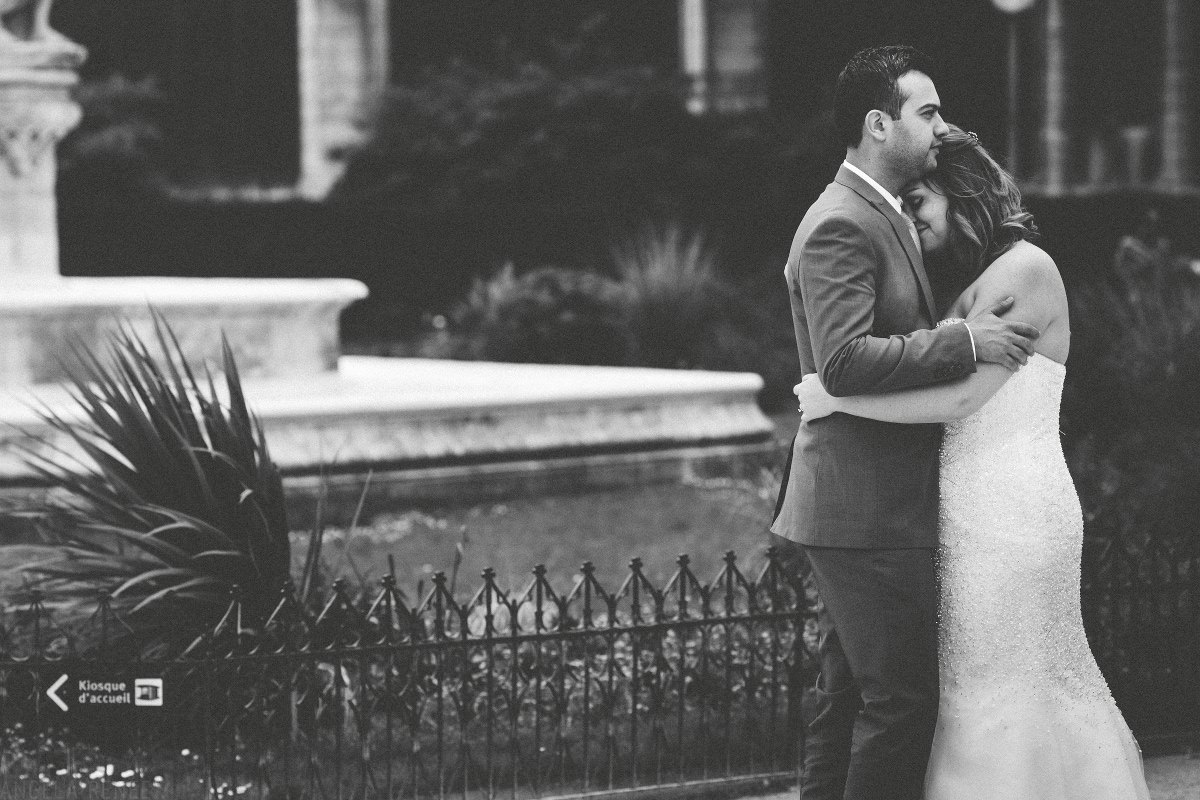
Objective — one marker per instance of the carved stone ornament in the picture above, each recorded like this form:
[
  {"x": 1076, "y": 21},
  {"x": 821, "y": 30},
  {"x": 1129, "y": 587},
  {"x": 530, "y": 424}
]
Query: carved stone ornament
[
  {"x": 37, "y": 70},
  {"x": 29, "y": 132},
  {"x": 27, "y": 40}
]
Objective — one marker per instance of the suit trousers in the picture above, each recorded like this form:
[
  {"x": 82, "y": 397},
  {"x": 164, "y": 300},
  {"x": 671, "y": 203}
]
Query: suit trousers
[{"x": 870, "y": 725}]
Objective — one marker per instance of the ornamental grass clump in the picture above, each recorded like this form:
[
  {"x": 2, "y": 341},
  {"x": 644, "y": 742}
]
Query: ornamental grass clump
[
  {"x": 687, "y": 312},
  {"x": 172, "y": 502}
]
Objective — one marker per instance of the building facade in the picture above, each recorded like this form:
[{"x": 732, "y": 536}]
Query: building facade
[{"x": 1080, "y": 96}]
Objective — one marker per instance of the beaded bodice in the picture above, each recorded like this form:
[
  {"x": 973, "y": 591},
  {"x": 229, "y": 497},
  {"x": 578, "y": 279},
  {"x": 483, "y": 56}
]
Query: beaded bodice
[
  {"x": 1021, "y": 419},
  {"x": 1010, "y": 535}
]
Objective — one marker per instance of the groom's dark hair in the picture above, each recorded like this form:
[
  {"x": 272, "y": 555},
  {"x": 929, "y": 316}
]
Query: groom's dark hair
[{"x": 868, "y": 82}]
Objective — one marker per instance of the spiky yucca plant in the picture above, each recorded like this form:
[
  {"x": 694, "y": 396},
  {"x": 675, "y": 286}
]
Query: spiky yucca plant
[{"x": 176, "y": 502}]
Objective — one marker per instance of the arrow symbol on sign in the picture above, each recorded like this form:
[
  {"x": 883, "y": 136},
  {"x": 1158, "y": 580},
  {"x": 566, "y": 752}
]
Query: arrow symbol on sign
[{"x": 52, "y": 692}]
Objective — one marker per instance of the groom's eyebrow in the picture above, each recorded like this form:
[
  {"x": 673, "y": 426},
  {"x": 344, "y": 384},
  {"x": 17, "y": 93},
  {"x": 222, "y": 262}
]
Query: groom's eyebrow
[{"x": 929, "y": 107}]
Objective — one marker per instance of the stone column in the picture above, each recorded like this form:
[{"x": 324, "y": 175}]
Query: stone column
[
  {"x": 36, "y": 111},
  {"x": 722, "y": 45},
  {"x": 693, "y": 48},
  {"x": 1097, "y": 164},
  {"x": 1014, "y": 87},
  {"x": 738, "y": 48},
  {"x": 1012, "y": 8},
  {"x": 343, "y": 72},
  {"x": 1175, "y": 170},
  {"x": 1054, "y": 137}
]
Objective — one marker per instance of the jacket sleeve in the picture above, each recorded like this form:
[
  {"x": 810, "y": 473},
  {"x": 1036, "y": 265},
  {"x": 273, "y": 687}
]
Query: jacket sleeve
[{"x": 835, "y": 277}]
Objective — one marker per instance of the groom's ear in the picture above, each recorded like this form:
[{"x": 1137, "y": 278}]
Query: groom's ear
[{"x": 875, "y": 125}]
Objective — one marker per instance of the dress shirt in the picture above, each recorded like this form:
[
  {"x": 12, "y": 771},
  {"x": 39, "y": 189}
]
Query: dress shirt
[{"x": 884, "y": 193}]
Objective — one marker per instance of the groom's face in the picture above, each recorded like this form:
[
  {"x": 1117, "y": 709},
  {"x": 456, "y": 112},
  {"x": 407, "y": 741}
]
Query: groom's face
[{"x": 915, "y": 136}]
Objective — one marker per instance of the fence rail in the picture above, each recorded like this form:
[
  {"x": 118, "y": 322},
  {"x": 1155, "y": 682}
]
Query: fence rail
[{"x": 532, "y": 693}]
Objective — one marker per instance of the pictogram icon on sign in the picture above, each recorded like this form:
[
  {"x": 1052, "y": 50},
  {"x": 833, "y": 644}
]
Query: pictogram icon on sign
[{"x": 148, "y": 692}]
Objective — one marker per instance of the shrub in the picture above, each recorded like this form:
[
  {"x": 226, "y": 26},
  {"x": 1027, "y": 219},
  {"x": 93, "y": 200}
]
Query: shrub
[
  {"x": 530, "y": 143},
  {"x": 668, "y": 307},
  {"x": 548, "y": 316},
  {"x": 461, "y": 139},
  {"x": 1131, "y": 407},
  {"x": 538, "y": 164},
  {"x": 119, "y": 145}
]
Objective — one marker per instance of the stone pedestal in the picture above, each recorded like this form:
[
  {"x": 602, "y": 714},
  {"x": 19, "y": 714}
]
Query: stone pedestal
[{"x": 36, "y": 111}]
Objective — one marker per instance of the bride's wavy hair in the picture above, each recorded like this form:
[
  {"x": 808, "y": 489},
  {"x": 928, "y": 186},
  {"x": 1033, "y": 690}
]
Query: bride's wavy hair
[{"x": 985, "y": 212}]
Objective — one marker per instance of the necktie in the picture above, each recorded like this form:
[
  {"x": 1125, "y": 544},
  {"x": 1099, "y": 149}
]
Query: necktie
[{"x": 912, "y": 231}]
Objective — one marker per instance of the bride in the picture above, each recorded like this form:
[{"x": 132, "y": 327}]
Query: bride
[{"x": 1024, "y": 712}]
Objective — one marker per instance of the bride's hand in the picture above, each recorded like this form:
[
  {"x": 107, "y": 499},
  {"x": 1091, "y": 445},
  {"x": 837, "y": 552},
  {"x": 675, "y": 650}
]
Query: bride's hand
[{"x": 814, "y": 401}]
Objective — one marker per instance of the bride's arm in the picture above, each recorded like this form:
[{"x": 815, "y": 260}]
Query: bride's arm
[
  {"x": 1026, "y": 274},
  {"x": 939, "y": 403}
]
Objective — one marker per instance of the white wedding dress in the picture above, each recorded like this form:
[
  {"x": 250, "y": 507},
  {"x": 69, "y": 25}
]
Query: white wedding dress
[{"x": 1025, "y": 713}]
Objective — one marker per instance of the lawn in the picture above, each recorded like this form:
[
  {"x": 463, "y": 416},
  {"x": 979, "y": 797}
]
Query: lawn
[{"x": 655, "y": 523}]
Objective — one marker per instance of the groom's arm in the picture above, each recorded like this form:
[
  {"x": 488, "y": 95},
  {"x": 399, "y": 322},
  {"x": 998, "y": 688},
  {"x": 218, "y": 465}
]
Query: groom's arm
[{"x": 836, "y": 281}]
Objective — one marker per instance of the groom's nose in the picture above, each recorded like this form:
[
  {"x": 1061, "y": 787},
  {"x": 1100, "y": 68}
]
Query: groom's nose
[{"x": 940, "y": 128}]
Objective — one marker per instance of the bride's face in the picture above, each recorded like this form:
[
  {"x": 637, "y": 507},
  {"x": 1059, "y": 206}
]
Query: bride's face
[{"x": 930, "y": 212}]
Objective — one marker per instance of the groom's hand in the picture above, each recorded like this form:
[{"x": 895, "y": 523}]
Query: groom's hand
[{"x": 999, "y": 341}]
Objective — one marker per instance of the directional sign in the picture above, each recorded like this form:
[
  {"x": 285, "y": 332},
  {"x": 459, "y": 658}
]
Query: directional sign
[
  {"x": 52, "y": 692},
  {"x": 106, "y": 694}
]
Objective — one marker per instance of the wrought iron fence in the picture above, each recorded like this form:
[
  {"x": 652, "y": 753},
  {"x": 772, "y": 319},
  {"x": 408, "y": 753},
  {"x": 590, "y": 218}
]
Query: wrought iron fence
[
  {"x": 523, "y": 694},
  {"x": 506, "y": 694}
]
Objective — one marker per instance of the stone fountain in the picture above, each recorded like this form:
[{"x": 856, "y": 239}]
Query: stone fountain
[
  {"x": 278, "y": 327},
  {"x": 428, "y": 430}
]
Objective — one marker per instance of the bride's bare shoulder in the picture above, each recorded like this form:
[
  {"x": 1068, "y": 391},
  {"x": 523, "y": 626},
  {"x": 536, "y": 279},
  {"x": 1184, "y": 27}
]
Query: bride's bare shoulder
[
  {"x": 1024, "y": 270},
  {"x": 1024, "y": 261},
  {"x": 1028, "y": 274}
]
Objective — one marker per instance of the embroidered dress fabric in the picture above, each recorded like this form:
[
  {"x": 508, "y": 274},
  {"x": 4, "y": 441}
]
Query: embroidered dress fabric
[{"x": 1025, "y": 713}]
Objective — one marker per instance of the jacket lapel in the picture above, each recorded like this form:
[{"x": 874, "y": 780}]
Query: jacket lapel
[{"x": 899, "y": 228}]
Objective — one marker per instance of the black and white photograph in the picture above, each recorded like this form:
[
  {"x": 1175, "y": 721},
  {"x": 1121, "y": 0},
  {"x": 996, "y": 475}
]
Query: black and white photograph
[{"x": 600, "y": 399}]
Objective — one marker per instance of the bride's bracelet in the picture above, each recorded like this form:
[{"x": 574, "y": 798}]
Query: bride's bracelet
[{"x": 951, "y": 321}]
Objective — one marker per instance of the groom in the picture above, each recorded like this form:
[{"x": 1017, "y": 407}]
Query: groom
[{"x": 861, "y": 497}]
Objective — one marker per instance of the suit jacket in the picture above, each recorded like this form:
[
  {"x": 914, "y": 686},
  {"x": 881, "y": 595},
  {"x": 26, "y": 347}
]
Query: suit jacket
[{"x": 864, "y": 317}]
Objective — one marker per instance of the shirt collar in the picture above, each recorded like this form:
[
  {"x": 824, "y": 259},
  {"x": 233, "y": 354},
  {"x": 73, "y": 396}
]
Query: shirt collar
[{"x": 891, "y": 198}]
